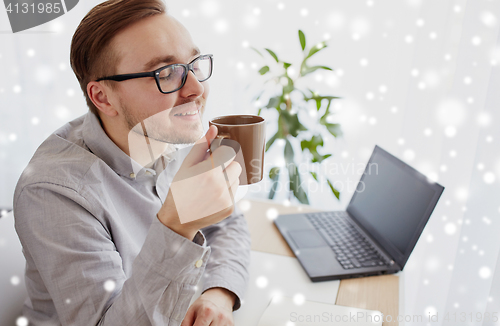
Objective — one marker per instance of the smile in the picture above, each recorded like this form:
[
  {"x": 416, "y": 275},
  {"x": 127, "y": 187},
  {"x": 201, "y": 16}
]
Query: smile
[{"x": 188, "y": 113}]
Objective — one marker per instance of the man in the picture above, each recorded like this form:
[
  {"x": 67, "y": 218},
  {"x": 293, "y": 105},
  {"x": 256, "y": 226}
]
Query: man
[{"x": 95, "y": 212}]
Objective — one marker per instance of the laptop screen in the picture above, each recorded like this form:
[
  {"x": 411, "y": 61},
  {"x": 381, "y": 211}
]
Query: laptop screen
[{"x": 393, "y": 201}]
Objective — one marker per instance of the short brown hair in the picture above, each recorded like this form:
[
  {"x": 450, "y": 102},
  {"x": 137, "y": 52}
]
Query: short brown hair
[{"x": 91, "y": 56}]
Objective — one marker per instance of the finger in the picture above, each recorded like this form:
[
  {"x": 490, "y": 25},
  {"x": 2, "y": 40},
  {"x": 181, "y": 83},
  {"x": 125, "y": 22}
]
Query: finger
[
  {"x": 229, "y": 202},
  {"x": 234, "y": 187},
  {"x": 202, "y": 321},
  {"x": 211, "y": 133},
  {"x": 199, "y": 149},
  {"x": 221, "y": 157},
  {"x": 222, "y": 320},
  {"x": 207, "y": 156},
  {"x": 189, "y": 318},
  {"x": 233, "y": 171}
]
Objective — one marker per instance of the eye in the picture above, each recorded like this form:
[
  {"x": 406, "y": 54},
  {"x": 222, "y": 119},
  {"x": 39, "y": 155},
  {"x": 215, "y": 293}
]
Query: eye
[
  {"x": 166, "y": 77},
  {"x": 170, "y": 73}
]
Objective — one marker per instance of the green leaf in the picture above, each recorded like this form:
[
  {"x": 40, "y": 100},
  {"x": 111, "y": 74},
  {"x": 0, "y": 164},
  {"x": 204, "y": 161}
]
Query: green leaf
[
  {"x": 290, "y": 124},
  {"x": 264, "y": 70},
  {"x": 315, "y": 49},
  {"x": 256, "y": 51},
  {"x": 272, "y": 192},
  {"x": 312, "y": 146},
  {"x": 274, "y": 102},
  {"x": 302, "y": 39},
  {"x": 314, "y": 95},
  {"x": 272, "y": 54},
  {"x": 322, "y": 120},
  {"x": 271, "y": 140},
  {"x": 256, "y": 98},
  {"x": 334, "y": 129},
  {"x": 318, "y": 99},
  {"x": 286, "y": 65},
  {"x": 332, "y": 188},
  {"x": 289, "y": 87},
  {"x": 307, "y": 70},
  {"x": 258, "y": 112},
  {"x": 314, "y": 142},
  {"x": 294, "y": 177},
  {"x": 288, "y": 152},
  {"x": 318, "y": 104},
  {"x": 315, "y": 175},
  {"x": 304, "y": 69},
  {"x": 274, "y": 176},
  {"x": 295, "y": 184},
  {"x": 274, "y": 172},
  {"x": 323, "y": 67}
]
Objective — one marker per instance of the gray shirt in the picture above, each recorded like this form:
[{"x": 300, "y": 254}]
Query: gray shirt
[{"x": 95, "y": 250}]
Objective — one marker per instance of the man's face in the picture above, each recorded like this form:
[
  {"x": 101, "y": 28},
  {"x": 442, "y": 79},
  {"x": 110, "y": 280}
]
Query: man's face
[{"x": 145, "y": 46}]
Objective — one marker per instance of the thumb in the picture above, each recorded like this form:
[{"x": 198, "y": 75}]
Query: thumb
[{"x": 200, "y": 148}]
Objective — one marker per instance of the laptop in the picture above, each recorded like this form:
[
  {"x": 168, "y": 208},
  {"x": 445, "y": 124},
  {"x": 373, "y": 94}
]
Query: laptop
[{"x": 375, "y": 234}]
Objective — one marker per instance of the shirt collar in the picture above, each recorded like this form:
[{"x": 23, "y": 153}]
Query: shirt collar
[{"x": 102, "y": 146}]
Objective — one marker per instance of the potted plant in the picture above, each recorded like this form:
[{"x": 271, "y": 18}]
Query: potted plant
[{"x": 290, "y": 127}]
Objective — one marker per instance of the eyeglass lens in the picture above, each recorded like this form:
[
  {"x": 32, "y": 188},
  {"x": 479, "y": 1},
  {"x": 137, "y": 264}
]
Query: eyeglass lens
[{"x": 171, "y": 78}]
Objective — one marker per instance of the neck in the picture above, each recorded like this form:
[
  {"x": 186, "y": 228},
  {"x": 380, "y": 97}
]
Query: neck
[{"x": 140, "y": 148}]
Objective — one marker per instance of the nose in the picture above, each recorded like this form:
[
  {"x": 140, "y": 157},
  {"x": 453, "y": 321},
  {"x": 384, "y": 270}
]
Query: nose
[{"x": 192, "y": 87}]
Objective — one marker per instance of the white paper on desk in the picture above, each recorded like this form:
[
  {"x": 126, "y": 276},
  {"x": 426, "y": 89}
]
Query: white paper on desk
[
  {"x": 272, "y": 275},
  {"x": 283, "y": 311}
]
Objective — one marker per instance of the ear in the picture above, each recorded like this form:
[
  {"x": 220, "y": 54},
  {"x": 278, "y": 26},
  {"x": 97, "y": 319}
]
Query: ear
[{"x": 99, "y": 95}]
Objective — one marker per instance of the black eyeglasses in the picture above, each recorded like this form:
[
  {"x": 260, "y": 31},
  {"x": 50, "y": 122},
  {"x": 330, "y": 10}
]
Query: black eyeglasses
[{"x": 171, "y": 78}]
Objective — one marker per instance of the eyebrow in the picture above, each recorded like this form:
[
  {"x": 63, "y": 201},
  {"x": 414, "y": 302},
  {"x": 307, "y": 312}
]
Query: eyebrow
[{"x": 167, "y": 59}]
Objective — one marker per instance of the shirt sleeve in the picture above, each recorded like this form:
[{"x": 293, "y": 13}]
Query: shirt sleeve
[
  {"x": 229, "y": 262},
  {"x": 82, "y": 270}
]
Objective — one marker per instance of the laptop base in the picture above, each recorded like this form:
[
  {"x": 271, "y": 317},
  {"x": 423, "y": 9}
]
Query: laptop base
[{"x": 316, "y": 255}]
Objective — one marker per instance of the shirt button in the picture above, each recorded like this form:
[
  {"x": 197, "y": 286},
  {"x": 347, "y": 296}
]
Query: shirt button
[
  {"x": 132, "y": 175},
  {"x": 198, "y": 263},
  {"x": 148, "y": 172}
]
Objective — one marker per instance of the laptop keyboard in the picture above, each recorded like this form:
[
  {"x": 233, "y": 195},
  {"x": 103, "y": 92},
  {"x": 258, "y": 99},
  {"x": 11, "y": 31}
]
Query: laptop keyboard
[{"x": 351, "y": 248}]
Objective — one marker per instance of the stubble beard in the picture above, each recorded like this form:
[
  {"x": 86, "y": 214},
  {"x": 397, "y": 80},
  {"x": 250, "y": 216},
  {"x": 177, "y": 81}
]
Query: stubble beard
[{"x": 153, "y": 127}]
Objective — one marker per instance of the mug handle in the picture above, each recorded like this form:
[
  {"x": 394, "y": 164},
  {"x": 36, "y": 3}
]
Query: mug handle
[{"x": 220, "y": 137}]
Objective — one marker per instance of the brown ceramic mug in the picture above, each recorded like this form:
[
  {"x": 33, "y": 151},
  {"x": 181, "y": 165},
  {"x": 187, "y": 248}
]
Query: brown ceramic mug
[{"x": 246, "y": 134}]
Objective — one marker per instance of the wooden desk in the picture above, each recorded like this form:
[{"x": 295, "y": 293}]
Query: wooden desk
[{"x": 376, "y": 293}]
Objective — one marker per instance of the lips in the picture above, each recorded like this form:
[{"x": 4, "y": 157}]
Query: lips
[
  {"x": 187, "y": 109},
  {"x": 187, "y": 113}
]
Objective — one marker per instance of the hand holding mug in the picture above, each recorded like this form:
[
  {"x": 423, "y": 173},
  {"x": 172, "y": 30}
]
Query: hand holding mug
[{"x": 202, "y": 192}]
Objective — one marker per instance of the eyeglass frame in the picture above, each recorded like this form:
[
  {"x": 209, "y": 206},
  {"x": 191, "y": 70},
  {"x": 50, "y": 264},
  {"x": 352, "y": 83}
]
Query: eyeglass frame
[{"x": 156, "y": 73}]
